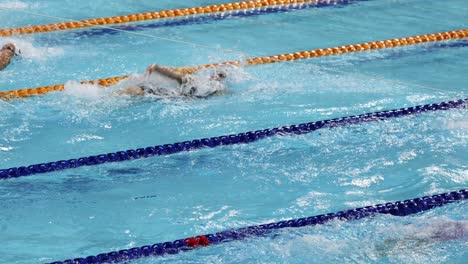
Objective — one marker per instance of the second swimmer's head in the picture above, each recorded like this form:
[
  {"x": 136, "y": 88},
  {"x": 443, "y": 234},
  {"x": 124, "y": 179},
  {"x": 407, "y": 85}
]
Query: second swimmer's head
[
  {"x": 219, "y": 75},
  {"x": 9, "y": 47}
]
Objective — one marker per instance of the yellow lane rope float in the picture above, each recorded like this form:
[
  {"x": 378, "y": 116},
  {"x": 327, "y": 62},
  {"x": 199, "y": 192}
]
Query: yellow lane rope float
[
  {"x": 374, "y": 45},
  {"x": 201, "y": 10}
]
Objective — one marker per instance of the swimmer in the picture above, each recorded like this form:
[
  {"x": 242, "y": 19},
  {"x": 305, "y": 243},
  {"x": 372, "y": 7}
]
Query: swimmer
[
  {"x": 428, "y": 235},
  {"x": 188, "y": 85},
  {"x": 6, "y": 53}
]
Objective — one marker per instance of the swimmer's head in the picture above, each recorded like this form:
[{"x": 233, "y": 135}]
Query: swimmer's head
[
  {"x": 219, "y": 75},
  {"x": 10, "y": 47}
]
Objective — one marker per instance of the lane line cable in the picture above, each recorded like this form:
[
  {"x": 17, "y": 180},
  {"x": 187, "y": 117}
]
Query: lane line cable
[
  {"x": 225, "y": 140},
  {"x": 258, "y": 5},
  {"x": 380, "y": 78},
  {"x": 138, "y": 33},
  {"x": 399, "y": 208},
  {"x": 299, "y": 55}
]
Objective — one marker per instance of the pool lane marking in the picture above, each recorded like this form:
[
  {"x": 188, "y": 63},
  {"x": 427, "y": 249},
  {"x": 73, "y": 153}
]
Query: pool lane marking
[
  {"x": 190, "y": 20},
  {"x": 225, "y": 140},
  {"x": 379, "y": 78},
  {"x": 215, "y": 16},
  {"x": 399, "y": 208},
  {"x": 300, "y": 55},
  {"x": 352, "y": 48},
  {"x": 148, "y": 35},
  {"x": 175, "y": 13}
]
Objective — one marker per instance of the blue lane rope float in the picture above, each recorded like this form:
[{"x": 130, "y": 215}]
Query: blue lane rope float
[
  {"x": 400, "y": 208},
  {"x": 198, "y": 19},
  {"x": 225, "y": 140}
]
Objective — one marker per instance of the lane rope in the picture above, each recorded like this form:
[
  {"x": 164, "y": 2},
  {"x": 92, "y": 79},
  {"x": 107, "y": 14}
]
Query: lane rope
[
  {"x": 233, "y": 139},
  {"x": 352, "y": 48},
  {"x": 143, "y": 34},
  {"x": 300, "y": 55},
  {"x": 399, "y": 208},
  {"x": 197, "y": 19},
  {"x": 157, "y": 15}
]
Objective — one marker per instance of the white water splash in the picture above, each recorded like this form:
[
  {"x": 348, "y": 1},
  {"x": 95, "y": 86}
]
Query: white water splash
[
  {"x": 6, "y": 148},
  {"x": 364, "y": 182},
  {"x": 30, "y": 51},
  {"x": 165, "y": 87},
  {"x": 457, "y": 124},
  {"x": 16, "y": 5},
  {"x": 317, "y": 199},
  {"x": 84, "y": 137},
  {"x": 77, "y": 89},
  {"x": 455, "y": 175}
]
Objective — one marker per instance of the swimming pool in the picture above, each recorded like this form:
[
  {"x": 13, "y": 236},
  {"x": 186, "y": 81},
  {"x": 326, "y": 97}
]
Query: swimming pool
[{"x": 90, "y": 210}]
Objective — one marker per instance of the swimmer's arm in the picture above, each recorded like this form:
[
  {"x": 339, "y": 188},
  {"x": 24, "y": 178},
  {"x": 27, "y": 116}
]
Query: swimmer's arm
[
  {"x": 132, "y": 91},
  {"x": 166, "y": 72}
]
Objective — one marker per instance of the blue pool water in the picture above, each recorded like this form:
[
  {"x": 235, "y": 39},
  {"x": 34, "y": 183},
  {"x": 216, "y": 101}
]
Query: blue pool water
[{"x": 97, "y": 209}]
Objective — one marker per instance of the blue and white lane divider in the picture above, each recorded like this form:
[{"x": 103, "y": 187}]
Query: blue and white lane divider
[
  {"x": 399, "y": 208},
  {"x": 225, "y": 140},
  {"x": 203, "y": 18}
]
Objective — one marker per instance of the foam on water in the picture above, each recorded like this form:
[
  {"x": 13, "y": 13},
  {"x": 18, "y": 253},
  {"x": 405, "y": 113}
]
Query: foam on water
[
  {"x": 27, "y": 49},
  {"x": 90, "y": 91},
  {"x": 164, "y": 87},
  {"x": 383, "y": 239},
  {"x": 78, "y": 97},
  {"x": 458, "y": 124},
  {"x": 13, "y": 5},
  {"x": 112, "y": 206}
]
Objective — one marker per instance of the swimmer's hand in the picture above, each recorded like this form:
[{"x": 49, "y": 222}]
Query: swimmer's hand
[{"x": 151, "y": 68}]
